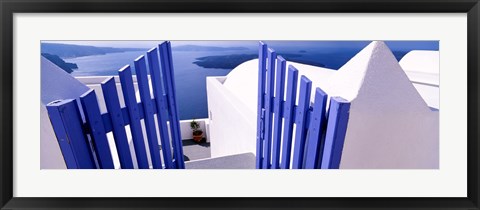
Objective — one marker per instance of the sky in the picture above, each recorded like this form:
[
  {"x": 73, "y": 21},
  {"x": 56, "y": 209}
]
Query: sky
[
  {"x": 427, "y": 45},
  {"x": 144, "y": 44}
]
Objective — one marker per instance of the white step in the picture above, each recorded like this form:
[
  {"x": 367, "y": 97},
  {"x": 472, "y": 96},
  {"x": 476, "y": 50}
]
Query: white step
[{"x": 240, "y": 161}]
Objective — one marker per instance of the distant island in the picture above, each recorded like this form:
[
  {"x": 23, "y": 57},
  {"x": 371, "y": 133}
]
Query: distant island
[
  {"x": 232, "y": 61},
  {"x": 224, "y": 61},
  {"x": 206, "y": 48},
  {"x": 72, "y": 51},
  {"x": 68, "y": 67},
  {"x": 57, "y": 52}
]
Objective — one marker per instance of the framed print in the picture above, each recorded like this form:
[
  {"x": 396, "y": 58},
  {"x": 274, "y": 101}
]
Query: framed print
[{"x": 353, "y": 104}]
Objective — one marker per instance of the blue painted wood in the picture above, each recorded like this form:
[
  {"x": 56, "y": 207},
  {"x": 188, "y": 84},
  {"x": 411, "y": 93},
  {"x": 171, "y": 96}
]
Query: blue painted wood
[
  {"x": 288, "y": 116},
  {"x": 175, "y": 119},
  {"x": 67, "y": 125},
  {"x": 162, "y": 114},
  {"x": 133, "y": 108},
  {"x": 61, "y": 134},
  {"x": 97, "y": 131},
  {"x": 170, "y": 62},
  {"x": 107, "y": 123},
  {"x": 126, "y": 116},
  {"x": 309, "y": 114},
  {"x": 118, "y": 125},
  {"x": 262, "y": 59},
  {"x": 150, "y": 129},
  {"x": 278, "y": 110},
  {"x": 167, "y": 89},
  {"x": 267, "y": 144},
  {"x": 335, "y": 135},
  {"x": 300, "y": 121},
  {"x": 316, "y": 128},
  {"x": 167, "y": 72}
]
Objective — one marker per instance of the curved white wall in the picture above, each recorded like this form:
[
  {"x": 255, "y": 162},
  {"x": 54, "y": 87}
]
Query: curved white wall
[
  {"x": 424, "y": 61},
  {"x": 422, "y": 68},
  {"x": 243, "y": 80}
]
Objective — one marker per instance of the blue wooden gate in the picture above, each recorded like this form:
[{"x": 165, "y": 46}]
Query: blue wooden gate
[
  {"x": 319, "y": 133},
  {"x": 81, "y": 130}
]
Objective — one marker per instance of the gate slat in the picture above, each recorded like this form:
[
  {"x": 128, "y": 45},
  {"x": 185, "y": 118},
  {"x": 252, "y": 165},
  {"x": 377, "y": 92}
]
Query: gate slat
[
  {"x": 167, "y": 71},
  {"x": 126, "y": 116},
  {"x": 118, "y": 125},
  {"x": 278, "y": 109},
  {"x": 335, "y": 135},
  {"x": 67, "y": 125},
  {"x": 97, "y": 131},
  {"x": 143, "y": 87},
  {"x": 128, "y": 90},
  {"x": 316, "y": 128},
  {"x": 267, "y": 145},
  {"x": 173, "y": 108},
  {"x": 262, "y": 59},
  {"x": 288, "y": 116},
  {"x": 157, "y": 85},
  {"x": 301, "y": 116}
]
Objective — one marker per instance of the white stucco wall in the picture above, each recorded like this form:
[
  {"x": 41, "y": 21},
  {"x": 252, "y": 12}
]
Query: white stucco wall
[
  {"x": 390, "y": 125},
  {"x": 232, "y": 123}
]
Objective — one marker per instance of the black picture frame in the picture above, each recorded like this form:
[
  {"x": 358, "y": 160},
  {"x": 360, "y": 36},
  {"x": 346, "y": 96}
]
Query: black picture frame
[{"x": 10, "y": 7}]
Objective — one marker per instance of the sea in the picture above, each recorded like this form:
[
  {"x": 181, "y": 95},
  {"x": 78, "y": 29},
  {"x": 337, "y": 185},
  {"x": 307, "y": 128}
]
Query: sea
[{"x": 190, "y": 78}]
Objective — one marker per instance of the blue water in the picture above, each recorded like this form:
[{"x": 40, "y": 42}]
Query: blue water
[{"x": 190, "y": 78}]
